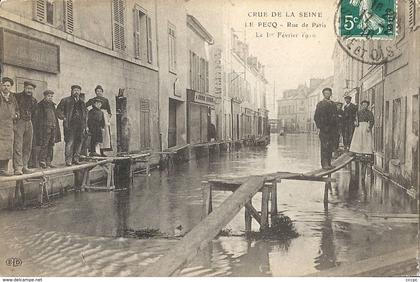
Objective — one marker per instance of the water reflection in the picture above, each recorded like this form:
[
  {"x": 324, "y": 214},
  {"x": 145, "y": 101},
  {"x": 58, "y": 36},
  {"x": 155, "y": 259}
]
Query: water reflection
[{"x": 170, "y": 200}]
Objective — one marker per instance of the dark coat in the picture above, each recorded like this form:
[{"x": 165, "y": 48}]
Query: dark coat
[
  {"x": 8, "y": 113},
  {"x": 40, "y": 124},
  {"x": 349, "y": 114},
  {"x": 105, "y": 103},
  {"x": 96, "y": 123},
  {"x": 27, "y": 106},
  {"x": 65, "y": 112},
  {"x": 326, "y": 117}
]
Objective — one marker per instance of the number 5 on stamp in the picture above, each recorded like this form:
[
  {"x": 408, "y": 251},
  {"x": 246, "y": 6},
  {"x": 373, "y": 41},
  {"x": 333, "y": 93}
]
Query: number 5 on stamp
[{"x": 368, "y": 18}]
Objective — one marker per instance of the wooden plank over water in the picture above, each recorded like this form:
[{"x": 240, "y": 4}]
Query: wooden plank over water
[
  {"x": 45, "y": 172},
  {"x": 206, "y": 230}
]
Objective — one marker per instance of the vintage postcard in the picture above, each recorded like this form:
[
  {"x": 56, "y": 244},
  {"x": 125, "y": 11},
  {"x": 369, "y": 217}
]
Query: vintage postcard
[{"x": 224, "y": 138}]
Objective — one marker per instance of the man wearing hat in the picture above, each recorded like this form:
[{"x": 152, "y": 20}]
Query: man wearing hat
[
  {"x": 72, "y": 110},
  {"x": 349, "y": 118},
  {"x": 47, "y": 130},
  {"x": 22, "y": 145},
  {"x": 326, "y": 120},
  {"x": 8, "y": 113}
]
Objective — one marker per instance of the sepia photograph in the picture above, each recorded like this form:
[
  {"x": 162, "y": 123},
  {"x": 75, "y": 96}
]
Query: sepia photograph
[{"x": 197, "y": 138}]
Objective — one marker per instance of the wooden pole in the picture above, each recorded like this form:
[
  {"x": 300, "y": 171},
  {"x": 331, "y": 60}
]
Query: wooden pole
[
  {"x": 326, "y": 188},
  {"x": 248, "y": 220},
  {"x": 198, "y": 238},
  {"x": 264, "y": 208},
  {"x": 274, "y": 209},
  {"x": 207, "y": 198},
  {"x": 253, "y": 212}
]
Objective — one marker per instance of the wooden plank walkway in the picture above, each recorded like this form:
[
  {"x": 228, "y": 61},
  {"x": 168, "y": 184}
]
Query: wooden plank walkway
[
  {"x": 205, "y": 231},
  {"x": 243, "y": 188},
  {"x": 52, "y": 171}
]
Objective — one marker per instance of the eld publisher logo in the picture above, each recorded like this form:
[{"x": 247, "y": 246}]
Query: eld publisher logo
[{"x": 13, "y": 262}]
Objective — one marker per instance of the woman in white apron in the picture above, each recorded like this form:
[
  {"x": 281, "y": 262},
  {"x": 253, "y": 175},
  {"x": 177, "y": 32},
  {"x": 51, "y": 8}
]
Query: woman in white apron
[
  {"x": 362, "y": 142},
  {"x": 106, "y": 109}
]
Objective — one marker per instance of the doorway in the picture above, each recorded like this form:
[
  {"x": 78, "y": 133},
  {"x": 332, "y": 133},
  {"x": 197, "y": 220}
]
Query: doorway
[{"x": 172, "y": 123}]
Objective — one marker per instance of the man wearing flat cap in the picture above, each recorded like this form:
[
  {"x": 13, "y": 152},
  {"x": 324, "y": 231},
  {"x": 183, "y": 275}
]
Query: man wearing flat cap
[
  {"x": 326, "y": 120},
  {"x": 349, "y": 118},
  {"x": 72, "y": 110},
  {"x": 22, "y": 145},
  {"x": 47, "y": 130},
  {"x": 8, "y": 113}
]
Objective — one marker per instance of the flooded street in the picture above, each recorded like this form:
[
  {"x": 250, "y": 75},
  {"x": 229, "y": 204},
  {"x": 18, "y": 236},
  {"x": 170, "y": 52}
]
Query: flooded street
[{"x": 85, "y": 234}]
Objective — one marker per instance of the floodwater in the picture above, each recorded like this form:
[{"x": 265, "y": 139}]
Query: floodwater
[{"x": 84, "y": 234}]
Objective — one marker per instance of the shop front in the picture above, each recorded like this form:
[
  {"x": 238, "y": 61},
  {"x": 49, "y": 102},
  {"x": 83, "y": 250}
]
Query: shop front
[{"x": 201, "y": 117}]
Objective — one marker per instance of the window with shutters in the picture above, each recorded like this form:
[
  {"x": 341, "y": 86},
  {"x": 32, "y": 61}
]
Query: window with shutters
[
  {"x": 68, "y": 16},
  {"x": 140, "y": 39},
  {"x": 118, "y": 7},
  {"x": 149, "y": 40},
  {"x": 172, "y": 47},
  {"x": 144, "y": 124},
  {"x": 44, "y": 11}
]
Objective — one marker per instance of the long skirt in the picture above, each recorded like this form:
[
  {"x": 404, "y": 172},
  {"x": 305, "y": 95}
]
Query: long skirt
[
  {"x": 106, "y": 135},
  {"x": 362, "y": 142}
]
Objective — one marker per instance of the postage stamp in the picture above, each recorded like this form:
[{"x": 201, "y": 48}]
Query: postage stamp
[{"x": 375, "y": 19}]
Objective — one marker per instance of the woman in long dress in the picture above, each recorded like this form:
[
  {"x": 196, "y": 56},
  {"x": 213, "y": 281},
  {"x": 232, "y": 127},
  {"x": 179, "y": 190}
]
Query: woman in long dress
[
  {"x": 106, "y": 109},
  {"x": 362, "y": 142}
]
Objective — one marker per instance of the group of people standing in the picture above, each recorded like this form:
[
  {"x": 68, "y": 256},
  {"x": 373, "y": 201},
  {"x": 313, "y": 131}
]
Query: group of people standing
[
  {"x": 25, "y": 123},
  {"x": 352, "y": 124}
]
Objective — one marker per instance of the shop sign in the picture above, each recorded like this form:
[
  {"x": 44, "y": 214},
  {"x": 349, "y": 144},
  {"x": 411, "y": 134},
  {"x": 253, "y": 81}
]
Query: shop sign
[
  {"x": 198, "y": 97},
  {"x": 27, "y": 52}
]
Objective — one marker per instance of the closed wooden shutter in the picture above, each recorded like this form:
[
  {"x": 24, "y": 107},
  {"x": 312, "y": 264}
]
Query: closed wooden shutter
[
  {"x": 68, "y": 16},
  {"x": 149, "y": 40},
  {"x": 411, "y": 13},
  {"x": 40, "y": 10},
  {"x": 119, "y": 24},
  {"x": 207, "y": 77},
  {"x": 144, "y": 124},
  {"x": 136, "y": 33}
]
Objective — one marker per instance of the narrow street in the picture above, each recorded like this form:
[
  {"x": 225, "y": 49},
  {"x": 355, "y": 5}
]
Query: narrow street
[{"x": 87, "y": 234}]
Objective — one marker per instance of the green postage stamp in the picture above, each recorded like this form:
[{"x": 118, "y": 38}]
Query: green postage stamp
[{"x": 368, "y": 18}]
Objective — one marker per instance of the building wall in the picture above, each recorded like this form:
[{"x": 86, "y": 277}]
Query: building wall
[
  {"x": 393, "y": 90},
  {"x": 88, "y": 64},
  {"x": 172, "y": 84}
]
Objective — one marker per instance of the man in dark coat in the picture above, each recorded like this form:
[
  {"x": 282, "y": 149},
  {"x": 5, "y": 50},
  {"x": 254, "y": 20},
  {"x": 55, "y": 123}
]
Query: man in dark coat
[
  {"x": 326, "y": 120},
  {"x": 47, "y": 129},
  {"x": 72, "y": 110},
  {"x": 23, "y": 129},
  {"x": 8, "y": 113},
  {"x": 96, "y": 125},
  {"x": 349, "y": 118}
]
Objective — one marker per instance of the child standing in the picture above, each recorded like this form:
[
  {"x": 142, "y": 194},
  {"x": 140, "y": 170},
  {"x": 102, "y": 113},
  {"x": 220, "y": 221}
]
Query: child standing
[
  {"x": 96, "y": 125},
  {"x": 46, "y": 129}
]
